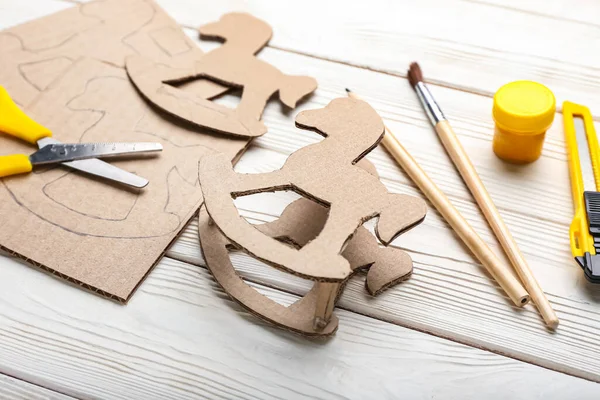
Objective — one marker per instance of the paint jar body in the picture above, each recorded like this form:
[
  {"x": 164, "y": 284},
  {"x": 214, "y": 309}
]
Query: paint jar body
[
  {"x": 518, "y": 148},
  {"x": 523, "y": 111}
]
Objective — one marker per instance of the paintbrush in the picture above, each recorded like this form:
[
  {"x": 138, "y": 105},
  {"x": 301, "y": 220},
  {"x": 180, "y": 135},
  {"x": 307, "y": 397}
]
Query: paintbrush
[
  {"x": 499, "y": 270},
  {"x": 471, "y": 178}
]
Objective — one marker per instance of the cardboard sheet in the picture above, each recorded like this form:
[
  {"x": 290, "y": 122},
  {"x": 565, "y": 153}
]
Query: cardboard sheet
[{"x": 67, "y": 71}]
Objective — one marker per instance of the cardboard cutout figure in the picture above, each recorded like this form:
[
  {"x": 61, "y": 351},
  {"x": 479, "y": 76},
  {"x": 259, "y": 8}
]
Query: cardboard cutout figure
[
  {"x": 233, "y": 64},
  {"x": 326, "y": 173}
]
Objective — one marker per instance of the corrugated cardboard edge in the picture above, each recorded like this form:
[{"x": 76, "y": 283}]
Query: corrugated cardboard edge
[
  {"x": 63, "y": 277},
  {"x": 91, "y": 288}
]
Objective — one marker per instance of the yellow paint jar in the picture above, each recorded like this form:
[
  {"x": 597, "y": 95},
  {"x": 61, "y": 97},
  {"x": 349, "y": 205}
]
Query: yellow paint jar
[{"x": 523, "y": 112}]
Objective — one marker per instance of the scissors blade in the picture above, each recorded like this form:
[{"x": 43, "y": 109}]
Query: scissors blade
[
  {"x": 96, "y": 167},
  {"x": 99, "y": 168},
  {"x": 59, "y": 153}
]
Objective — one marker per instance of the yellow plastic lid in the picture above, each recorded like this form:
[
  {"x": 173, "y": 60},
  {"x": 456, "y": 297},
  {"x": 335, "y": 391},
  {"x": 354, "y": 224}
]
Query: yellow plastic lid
[{"x": 524, "y": 107}]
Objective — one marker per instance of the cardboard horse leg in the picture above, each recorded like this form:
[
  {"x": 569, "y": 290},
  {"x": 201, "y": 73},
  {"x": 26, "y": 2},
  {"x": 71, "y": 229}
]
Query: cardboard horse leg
[{"x": 300, "y": 222}]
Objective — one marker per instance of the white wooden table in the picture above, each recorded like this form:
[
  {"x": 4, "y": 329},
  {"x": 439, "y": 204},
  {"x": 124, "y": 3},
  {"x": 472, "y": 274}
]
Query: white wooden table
[{"x": 448, "y": 332}]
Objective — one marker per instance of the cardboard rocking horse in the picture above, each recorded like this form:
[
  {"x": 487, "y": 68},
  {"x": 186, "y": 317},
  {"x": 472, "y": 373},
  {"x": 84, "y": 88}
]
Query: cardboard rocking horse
[
  {"x": 341, "y": 193},
  {"x": 233, "y": 65}
]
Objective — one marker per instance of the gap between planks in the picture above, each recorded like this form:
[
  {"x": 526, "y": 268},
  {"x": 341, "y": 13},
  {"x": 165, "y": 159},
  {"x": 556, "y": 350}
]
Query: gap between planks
[
  {"x": 435, "y": 82},
  {"x": 20, "y": 388}
]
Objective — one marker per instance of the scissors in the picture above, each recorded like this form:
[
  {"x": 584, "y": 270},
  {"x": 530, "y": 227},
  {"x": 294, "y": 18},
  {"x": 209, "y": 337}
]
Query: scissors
[{"x": 80, "y": 156}]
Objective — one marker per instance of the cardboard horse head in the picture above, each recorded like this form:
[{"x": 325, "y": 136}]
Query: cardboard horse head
[
  {"x": 235, "y": 65},
  {"x": 326, "y": 173}
]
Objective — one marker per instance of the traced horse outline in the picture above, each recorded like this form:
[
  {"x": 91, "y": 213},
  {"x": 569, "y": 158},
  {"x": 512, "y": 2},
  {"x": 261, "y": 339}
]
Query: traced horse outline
[{"x": 119, "y": 113}]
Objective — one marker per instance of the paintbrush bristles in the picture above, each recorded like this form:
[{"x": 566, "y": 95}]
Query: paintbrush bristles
[{"x": 414, "y": 74}]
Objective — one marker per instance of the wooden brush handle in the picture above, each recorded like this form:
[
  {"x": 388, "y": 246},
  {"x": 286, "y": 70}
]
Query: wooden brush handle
[
  {"x": 499, "y": 271},
  {"x": 467, "y": 171}
]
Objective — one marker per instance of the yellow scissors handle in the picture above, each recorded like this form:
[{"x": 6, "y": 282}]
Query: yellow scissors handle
[
  {"x": 15, "y": 122},
  {"x": 14, "y": 164}
]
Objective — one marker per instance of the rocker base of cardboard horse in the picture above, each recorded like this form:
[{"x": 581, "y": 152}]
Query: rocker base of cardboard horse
[
  {"x": 345, "y": 197},
  {"x": 299, "y": 317},
  {"x": 385, "y": 267}
]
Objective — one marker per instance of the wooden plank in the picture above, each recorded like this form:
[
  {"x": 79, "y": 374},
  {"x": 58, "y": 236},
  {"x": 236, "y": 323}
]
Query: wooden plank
[
  {"x": 181, "y": 337},
  {"x": 15, "y": 389},
  {"x": 462, "y": 44}
]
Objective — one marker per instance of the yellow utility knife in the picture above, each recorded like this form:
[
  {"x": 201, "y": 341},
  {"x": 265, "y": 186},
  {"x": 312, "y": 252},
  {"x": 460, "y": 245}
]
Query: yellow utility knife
[
  {"x": 584, "y": 155},
  {"x": 79, "y": 156}
]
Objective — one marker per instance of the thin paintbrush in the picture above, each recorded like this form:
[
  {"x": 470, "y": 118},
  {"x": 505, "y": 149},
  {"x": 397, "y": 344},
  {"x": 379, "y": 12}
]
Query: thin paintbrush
[
  {"x": 469, "y": 174},
  {"x": 499, "y": 270}
]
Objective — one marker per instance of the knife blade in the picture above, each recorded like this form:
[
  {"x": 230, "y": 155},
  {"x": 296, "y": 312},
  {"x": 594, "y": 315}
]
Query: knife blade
[{"x": 585, "y": 160}]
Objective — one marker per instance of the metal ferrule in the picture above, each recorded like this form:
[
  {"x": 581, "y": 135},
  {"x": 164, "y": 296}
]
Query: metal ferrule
[{"x": 434, "y": 112}]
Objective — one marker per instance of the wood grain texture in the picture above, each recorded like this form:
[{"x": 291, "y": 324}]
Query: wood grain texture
[
  {"x": 468, "y": 45},
  {"x": 181, "y": 337},
  {"x": 15, "y": 389},
  {"x": 580, "y": 11}
]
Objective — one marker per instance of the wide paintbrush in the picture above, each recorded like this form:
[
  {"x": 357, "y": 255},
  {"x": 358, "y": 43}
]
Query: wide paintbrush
[{"x": 469, "y": 174}]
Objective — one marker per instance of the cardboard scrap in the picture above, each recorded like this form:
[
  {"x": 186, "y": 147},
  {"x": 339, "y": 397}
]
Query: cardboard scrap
[
  {"x": 339, "y": 198},
  {"x": 233, "y": 64},
  {"x": 67, "y": 71}
]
